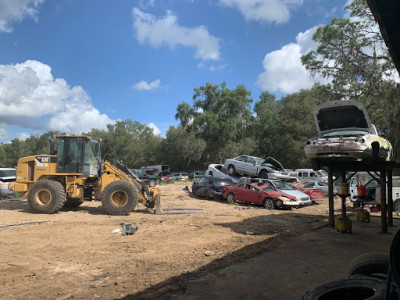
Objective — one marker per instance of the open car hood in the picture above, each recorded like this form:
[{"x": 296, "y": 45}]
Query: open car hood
[
  {"x": 275, "y": 164},
  {"x": 341, "y": 115}
]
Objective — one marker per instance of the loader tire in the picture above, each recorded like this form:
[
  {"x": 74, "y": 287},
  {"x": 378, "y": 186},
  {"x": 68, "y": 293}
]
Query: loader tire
[
  {"x": 46, "y": 196},
  {"x": 119, "y": 198},
  {"x": 73, "y": 202}
]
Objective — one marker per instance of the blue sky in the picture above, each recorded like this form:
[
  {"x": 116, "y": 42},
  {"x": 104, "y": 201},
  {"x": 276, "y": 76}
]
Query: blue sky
[{"x": 73, "y": 65}]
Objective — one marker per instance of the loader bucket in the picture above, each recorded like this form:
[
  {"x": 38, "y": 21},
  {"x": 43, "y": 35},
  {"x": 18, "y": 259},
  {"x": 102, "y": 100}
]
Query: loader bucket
[{"x": 156, "y": 199}]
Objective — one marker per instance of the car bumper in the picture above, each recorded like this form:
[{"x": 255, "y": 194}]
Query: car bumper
[
  {"x": 351, "y": 151},
  {"x": 296, "y": 203},
  {"x": 4, "y": 190}
]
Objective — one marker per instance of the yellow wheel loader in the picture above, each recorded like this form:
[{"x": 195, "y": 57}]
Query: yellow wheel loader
[{"x": 76, "y": 173}]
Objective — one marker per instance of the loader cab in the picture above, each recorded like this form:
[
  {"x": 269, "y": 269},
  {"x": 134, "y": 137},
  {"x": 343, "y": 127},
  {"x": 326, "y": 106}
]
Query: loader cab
[{"x": 79, "y": 154}]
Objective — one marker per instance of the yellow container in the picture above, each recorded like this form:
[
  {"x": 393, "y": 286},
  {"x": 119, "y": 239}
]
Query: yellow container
[{"x": 343, "y": 189}]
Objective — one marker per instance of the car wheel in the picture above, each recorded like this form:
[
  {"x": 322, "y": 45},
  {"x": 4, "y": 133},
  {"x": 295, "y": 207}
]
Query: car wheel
[
  {"x": 264, "y": 174},
  {"x": 231, "y": 199},
  {"x": 269, "y": 204},
  {"x": 231, "y": 170},
  {"x": 152, "y": 183},
  {"x": 370, "y": 264}
]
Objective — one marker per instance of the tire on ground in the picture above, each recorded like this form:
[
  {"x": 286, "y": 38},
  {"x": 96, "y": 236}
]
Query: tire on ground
[
  {"x": 119, "y": 198},
  {"x": 351, "y": 288},
  {"x": 369, "y": 264},
  {"x": 152, "y": 183},
  {"x": 73, "y": 202},
  {"x": 46, "y": 196}
]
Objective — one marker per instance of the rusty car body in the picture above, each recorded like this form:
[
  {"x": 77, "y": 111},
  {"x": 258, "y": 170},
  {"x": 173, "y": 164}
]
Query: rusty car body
[{"x": 345, "y": 133}]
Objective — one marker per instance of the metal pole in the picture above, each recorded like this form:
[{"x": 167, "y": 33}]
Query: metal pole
[
  {"x": 344, "y": 197},
  {"x": 330, "y": 198},
  {"x": 383, "y": 201},
  {"x": 390, "y": 197}
]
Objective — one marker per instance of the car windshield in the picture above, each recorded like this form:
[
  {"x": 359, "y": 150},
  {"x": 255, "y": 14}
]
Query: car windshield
[
  {"x": 7, "y": 173},
  {"x": 283, "y": 185},
  {"x": 258, "y": 160},
  {"x": 225, "y": 181},
  {"x": 321, "y": 173}
]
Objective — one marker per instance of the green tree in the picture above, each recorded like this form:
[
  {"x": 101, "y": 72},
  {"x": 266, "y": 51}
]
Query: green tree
[
  {"x": 182, "y": 149},
  {"x": 352, "y": 53},
  {"x": 221, "y": 117},
  {"x": 297, "y": 125}
]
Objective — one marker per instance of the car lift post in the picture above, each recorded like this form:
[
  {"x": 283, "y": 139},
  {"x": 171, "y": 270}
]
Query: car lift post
[
  {"x": 383, "y": 200},
  {"x": 330, "y": 198}
]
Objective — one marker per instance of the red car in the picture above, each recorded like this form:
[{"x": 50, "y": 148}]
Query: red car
[{"x": 264, "y": 194}]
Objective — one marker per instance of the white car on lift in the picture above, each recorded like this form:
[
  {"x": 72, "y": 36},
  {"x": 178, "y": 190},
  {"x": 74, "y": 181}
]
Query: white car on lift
[{"x": 345, "y": 133}]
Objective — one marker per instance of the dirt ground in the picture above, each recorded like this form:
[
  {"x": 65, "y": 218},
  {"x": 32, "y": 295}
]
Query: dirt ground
[{"x": 74, "y": 254}]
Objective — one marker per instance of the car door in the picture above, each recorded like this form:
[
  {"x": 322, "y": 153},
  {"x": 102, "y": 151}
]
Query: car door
[
  {"x": 240, "y": 164},
  {"x": 250, "y": 194},
  {"x": 251, "y": 166},
  {"x": 239, "y": 192}
]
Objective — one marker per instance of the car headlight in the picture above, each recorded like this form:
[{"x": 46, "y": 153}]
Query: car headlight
[
  {"x": 283, "y": 198},
  {"x": 362, "y": 141}
]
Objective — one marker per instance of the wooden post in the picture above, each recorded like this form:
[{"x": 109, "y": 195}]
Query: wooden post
[
  {"x": 390, "y": 197},
  {"x": 330, "y": 198},
  {"x": 383, "y": 201}
]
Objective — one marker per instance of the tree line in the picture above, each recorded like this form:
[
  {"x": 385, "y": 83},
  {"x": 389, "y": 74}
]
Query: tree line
[{"x": 222, "y": 123}]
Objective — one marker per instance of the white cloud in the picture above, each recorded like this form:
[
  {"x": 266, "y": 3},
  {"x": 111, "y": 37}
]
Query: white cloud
[
  {"x": 3, "y": 131},
  {"x": 283, "y": 68},
  {"x": 31, "y": 98},
  {"x": 17, "y": 10},
  {"x": 167, "y": 31},
  {"x": 156, "y": 130},
  {"x": 267, "y": 11},
  {"x": 143, "y": 85}
]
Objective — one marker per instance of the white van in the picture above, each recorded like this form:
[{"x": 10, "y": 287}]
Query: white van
[{"x": 309, "y": 174}]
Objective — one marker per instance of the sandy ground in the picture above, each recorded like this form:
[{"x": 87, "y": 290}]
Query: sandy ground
[{"x": 74, "y": 254}]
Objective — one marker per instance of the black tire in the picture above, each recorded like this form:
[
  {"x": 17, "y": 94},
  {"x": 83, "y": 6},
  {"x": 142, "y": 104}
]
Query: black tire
[
  {"x": 394, "y": 258},
  {"x": 119, "y": 198},
  {"x": 269, "y": 204},
  {"x": 152, "y": 183},
  {"x": 231, "y": 170},
  {"x": 348, "y": 289},
  {"x": 315, "y": 164},
  {"x": 231, "y": 198},
  {"x": 73, "y": 202},
  {"x": 370, "y": 264},
  {"x": 46, "y": 196},
  {"x": 264, "y": 174}
]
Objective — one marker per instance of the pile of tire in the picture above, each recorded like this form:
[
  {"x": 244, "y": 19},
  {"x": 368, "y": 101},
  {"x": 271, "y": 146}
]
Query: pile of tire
[{"x": 371, "y": 276}]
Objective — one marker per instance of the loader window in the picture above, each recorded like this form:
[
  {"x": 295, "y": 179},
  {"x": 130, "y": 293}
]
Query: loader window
[
  {"x": 92, "y": 158},
  {"x": 69, "y": 155}
]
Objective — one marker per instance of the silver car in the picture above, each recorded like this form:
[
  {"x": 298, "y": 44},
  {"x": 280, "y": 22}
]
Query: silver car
[
  {"x": 254, "y": 166},
  {"x": 7, "y": 175},
  {"x": 345, "y": 133}
]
